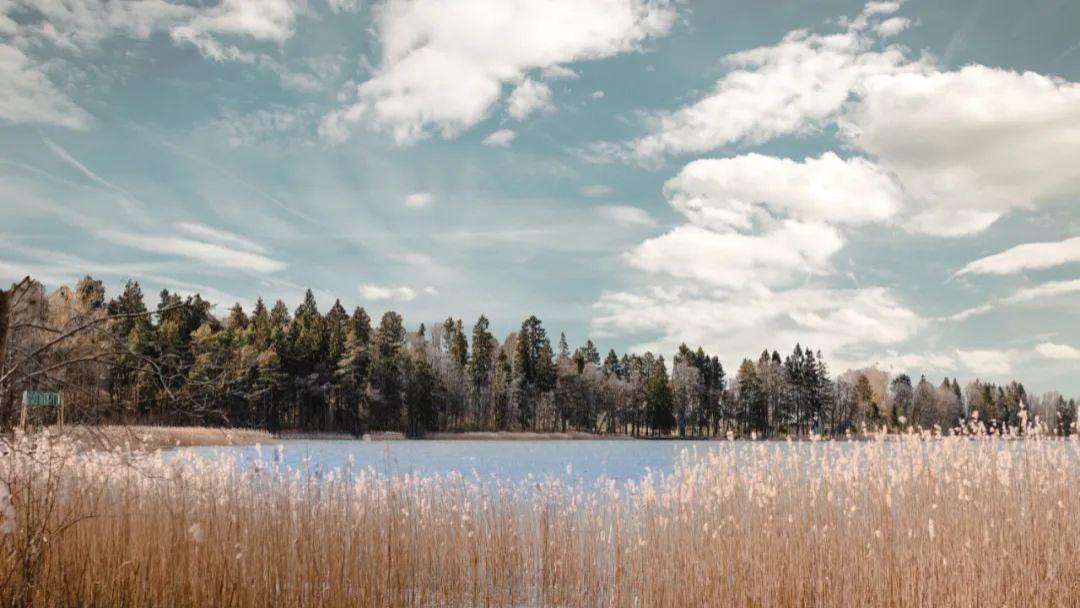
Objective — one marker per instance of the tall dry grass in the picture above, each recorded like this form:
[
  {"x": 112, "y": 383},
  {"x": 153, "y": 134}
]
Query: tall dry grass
[
  {"x": 920, "y": 521},
  {"x": 149, "y": 438}
]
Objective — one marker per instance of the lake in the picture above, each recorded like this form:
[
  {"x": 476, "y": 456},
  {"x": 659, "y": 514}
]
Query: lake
[
  {"x": 522, "y": 460},
  {"x": 512, "y": 460}
]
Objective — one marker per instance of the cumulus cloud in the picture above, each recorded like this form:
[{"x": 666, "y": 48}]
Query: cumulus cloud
[
  {"x": 1052, "y": 350},
  {"x": 528, "y": 97},
  {"x": 265, "y": 20},
  {"x": 625, "y": 215},
  {"x": 737, "y": 192},
  {"x": 761, "y": 220},
  {"x": 1030, "y": 256},
  {"x": 500, "y": 138},
  {"x": 418, "y": 200},
  {"x": 971, "y": 145},
  {"x": 29, "y": 97},
  {"x": 791, "y": 87},
  {"x": 826, "y": 319},
  {"x": 730, "y": 259},
  {"x": 966, "y": 146},
  {"x": 891, "y": 27},
  {"x": 379, "y": 292},
  {"x": 445, "y": 65}
]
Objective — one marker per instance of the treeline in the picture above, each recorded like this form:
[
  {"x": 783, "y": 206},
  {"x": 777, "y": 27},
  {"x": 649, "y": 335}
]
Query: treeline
[{"x": 178, "y": 363}]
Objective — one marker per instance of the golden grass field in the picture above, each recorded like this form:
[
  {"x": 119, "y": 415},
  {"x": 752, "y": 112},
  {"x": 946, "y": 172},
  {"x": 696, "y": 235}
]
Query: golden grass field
[{"x": 913, "y": 521}]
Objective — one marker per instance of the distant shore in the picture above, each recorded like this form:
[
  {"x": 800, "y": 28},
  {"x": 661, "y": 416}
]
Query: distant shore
[{"x": 149, "y": 438}]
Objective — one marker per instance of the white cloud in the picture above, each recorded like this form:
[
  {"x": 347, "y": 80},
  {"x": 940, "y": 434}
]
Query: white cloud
[
  {"x": 791, "y": 87},
  {"x": 419, "y": 200},
  {"x": 1052, "y": 350},
  {"x": 211, "y": 254},
  {"x": 1043, "y": 293},
  {"x": 528, "y": 97},
  {"x": 377, "y": 292},
  {"x": 973, "y": 144},
  {"x": 729, "y": 259},
  {"x": 736, "y": 325},
  {"x": 500, "y": 138},
  {"x": 221, "y": 237},
  {"x": 910, "y": 363},
  {"x": 596, "y": 190},
  {"x": 262, "y": 125},
  {"x": 345, "y": 6},
  {"x": 891, "y": 27},
  {"x": 966, "y": 146},
  {"x": 264, "y": 20},
  {"x": 597, "y": 95},
  {"x": 741, "y": 191},
  {"x": 988, "y": 361},
  {"x": 65, "y": 156},
  {"x": 625, "y": 215},
  {"x": 28, "y": 97},
  {"x": 75, "y": 26},
  {"x": 764, "y": 221},
  {"x": 444, "y": 65},
  {"x": 1030, "y": 256}
]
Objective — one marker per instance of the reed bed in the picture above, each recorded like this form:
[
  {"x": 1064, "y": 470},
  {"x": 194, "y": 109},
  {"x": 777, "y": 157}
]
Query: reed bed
[
  {"x": 148, "y": 438},
  {"x": 917, "y": 521}
]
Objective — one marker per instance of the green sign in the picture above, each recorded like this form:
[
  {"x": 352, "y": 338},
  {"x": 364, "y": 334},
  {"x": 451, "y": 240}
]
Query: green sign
[{"x": 40, "y": 399}]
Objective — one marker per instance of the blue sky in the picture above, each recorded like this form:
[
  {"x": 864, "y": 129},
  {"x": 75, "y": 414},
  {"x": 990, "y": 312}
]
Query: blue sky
[{"x": 891, "y": 183}]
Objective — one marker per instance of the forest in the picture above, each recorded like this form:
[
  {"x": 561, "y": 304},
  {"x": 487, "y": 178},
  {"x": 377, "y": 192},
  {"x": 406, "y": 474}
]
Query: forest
[{"x": 118, "y": 361}]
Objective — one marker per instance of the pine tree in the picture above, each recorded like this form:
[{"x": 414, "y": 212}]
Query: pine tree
[
  {"x": 592, "y": 356},
  {"x": 659, "y": 399},
  {"x": 611, "y": 364},
  {"x": 1066, "y": 416},
  {"x": 480, "y": 370},
  {"x": 903, "y": 396},
  {"x": 387, "y": 372}
]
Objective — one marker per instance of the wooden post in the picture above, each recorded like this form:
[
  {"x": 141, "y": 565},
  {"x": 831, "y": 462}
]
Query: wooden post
[{"x": 60, "y": 412}]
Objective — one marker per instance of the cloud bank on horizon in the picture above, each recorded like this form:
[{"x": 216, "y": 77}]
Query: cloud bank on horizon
[{"x": 619, "y": 167}]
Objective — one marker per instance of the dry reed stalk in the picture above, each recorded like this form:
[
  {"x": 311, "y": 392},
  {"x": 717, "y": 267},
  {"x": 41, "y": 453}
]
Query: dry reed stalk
[{"x": 919, "y": 521}]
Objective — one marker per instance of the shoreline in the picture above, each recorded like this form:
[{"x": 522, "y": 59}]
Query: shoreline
[{"x": 150, "y": 438}]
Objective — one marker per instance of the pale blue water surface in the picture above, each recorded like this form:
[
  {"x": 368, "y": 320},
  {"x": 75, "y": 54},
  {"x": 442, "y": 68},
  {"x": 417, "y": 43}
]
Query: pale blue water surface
[
  {"x": 510, "y": 460},
  {"x": 522, "y": 460}
]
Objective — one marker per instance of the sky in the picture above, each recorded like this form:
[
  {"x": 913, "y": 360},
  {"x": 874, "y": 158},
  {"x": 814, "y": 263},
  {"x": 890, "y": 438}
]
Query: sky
[{"x": 895, "y": 184}]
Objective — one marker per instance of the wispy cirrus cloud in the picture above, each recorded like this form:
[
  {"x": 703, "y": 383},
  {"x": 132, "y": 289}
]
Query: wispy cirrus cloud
[
  {"x": 209, "y": 253},
  {"x": 1029, "y": 256}
]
